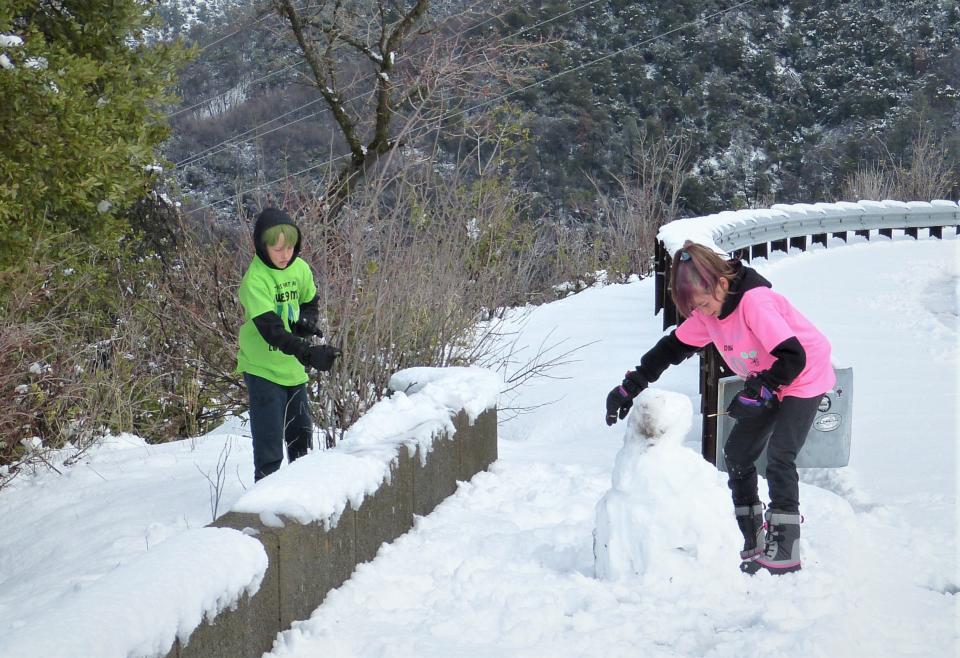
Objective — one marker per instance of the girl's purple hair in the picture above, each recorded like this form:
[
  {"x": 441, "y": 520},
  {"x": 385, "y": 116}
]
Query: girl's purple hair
[{"x": 696, "y": 269}]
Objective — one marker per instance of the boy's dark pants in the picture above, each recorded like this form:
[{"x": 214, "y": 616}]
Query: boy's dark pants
[
  {"x": 279, "y": 415},
  {"x": 786, "y": 425}
]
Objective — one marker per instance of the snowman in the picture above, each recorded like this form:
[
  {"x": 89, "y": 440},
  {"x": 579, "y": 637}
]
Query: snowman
[{"x": 668, "y": 510}]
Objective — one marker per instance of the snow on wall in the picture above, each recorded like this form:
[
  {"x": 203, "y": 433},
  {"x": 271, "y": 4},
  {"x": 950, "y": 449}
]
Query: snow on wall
[
  {"x": 140, "y": 608},
  {"x": 143, "y": 607},
  {"x": 318, "y": 487}
]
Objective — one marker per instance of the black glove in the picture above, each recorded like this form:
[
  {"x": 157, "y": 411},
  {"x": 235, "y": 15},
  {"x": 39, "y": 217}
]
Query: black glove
[
  {"x": 620, "y": 399},
  {"x": 320, "y": 357},
  {"x": 306, "y": 327},
  {"x": 753, "y": 400}
]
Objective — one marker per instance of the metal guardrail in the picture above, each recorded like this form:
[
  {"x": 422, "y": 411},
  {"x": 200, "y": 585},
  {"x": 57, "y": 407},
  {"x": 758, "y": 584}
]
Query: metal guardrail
[
  {"x": 749, "y": 234},
  {"x": 838, "y": 219}
]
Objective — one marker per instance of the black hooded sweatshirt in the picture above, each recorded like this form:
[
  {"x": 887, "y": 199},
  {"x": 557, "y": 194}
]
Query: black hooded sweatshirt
[{"x": 269, "y": 324}]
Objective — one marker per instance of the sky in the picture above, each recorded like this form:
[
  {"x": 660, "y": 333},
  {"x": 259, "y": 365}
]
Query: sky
[{"x": 506, "y": 566}]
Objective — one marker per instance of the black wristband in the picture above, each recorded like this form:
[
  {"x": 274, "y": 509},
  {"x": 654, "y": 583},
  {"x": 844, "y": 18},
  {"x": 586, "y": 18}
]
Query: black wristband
[
  {"x": 757, "y": 380},
  {"x": 634, "y": 382}
]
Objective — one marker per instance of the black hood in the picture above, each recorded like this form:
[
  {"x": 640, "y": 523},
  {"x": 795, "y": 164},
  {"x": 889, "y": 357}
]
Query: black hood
[
  {"x": 744, "y": 279},
  {"x": 268, "y": 218}
]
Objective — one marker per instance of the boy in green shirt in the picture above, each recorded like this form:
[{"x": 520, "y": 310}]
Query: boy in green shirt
[{"x": 279, "y": 299}]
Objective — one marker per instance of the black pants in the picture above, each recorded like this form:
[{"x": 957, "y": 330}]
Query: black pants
[
  {"x": 785, "y": 429},
  {"x": 279, "y": 416}
]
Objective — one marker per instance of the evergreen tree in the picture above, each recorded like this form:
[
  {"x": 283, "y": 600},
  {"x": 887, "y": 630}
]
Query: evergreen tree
[{"x": 82, "y": 115}]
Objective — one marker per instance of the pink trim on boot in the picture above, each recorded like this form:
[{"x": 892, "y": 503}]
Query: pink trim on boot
[{"x": 774, "y": 565}]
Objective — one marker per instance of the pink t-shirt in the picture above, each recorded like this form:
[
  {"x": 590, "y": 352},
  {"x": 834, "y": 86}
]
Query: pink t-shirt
[{"x": 762, "y": 320}]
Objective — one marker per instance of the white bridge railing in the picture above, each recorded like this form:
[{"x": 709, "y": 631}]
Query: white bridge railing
[{"x": 735, "y": 230}]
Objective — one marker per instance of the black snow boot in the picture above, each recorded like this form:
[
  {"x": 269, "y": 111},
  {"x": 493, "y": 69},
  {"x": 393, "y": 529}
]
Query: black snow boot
[
  {"x": 750, "y": 520},
  {"x": 781, "y": 553}
]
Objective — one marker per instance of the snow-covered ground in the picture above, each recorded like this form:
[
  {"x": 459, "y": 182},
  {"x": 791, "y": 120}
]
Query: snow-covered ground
[{"x": 505, "y": 567}]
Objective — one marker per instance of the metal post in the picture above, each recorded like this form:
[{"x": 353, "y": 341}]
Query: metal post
[
  {"x": 712, "y": 368},
  {"x": 659, "y": 276},
  {"x": 662, "y": 286}
]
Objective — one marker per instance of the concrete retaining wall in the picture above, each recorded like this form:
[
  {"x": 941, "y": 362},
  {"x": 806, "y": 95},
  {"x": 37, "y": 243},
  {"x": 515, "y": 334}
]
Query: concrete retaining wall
[{"x": 307, "y": 561}]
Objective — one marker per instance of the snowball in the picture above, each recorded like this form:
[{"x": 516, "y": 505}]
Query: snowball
[{"x": 659, "y": 416}]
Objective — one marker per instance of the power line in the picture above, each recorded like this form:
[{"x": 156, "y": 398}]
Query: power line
[
  {"x": 504, "y": 96},
  {"x": 603, "y": 58},
  {"x": 233, "y": 141},
  {"x": 236, "y": 139},
  {"x": 232, "y": 90},
  {"x": 235, "y": 32},
  {"x": 240, "y": 29}
]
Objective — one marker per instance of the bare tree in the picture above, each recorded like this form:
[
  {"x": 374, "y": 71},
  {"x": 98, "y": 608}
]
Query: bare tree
[
  {"x": 423, "y": 269},
  {"x": 389, "y": 71}
]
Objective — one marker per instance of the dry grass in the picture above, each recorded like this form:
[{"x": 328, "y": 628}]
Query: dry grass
[{"x": 924, "y": 177}]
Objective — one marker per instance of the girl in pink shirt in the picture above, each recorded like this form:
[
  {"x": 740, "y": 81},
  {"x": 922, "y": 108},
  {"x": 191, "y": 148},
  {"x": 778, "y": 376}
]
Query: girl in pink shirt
[{"x": 785, "y": 362}]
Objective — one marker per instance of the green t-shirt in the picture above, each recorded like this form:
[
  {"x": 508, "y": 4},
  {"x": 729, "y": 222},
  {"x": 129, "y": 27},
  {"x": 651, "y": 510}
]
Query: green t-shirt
[{"x": 266, "y": 289}]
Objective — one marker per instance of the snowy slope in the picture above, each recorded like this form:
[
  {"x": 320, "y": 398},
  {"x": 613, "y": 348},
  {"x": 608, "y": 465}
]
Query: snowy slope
[{"x": 505, "y": 567}]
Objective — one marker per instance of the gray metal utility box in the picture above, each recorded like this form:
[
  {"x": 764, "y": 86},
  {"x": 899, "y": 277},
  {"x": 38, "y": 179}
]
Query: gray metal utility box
[{"x": 828, "y": 442}]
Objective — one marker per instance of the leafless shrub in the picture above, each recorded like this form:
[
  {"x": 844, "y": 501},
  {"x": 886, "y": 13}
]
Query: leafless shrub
[
  {"x": 218, "y": 479},
  {"x": 404, "y": 283},
  {"x": 648, "y": 200},
  {"x": 115, "y": 344},
  {"x": 18, "y": 388},
  {"x": 925, "y": 177},
  {"x": 193, "y": 316},
  {"x": 870, "y": 181},
  {"x": 520, "y": 367},
  {"x": 928, "y": 175},
  {"x": 66, "y": 379}
]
